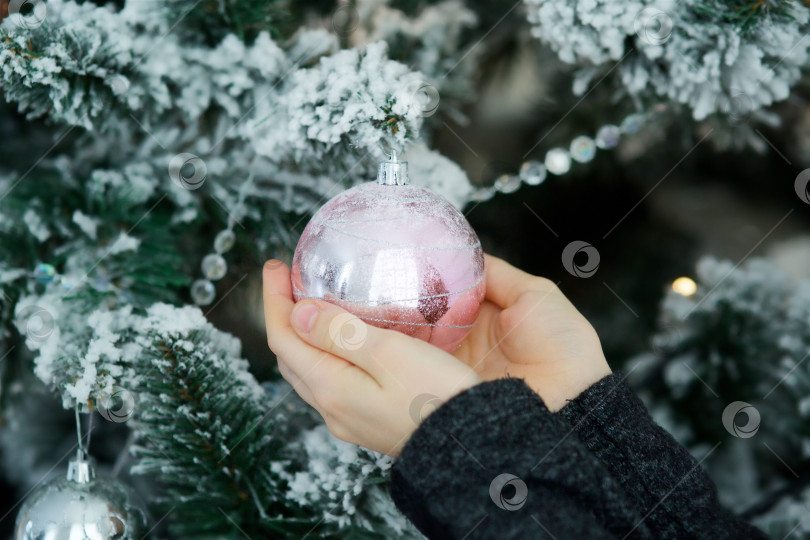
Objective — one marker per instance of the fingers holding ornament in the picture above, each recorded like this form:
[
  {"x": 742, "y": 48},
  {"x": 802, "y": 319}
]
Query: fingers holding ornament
[
  {"x": 506, "y": 283},
  {"x": 298, "y": 384},
  {"x": 378, "y": 257},
  {"x": 298, "y": 361},
  {"x": 338, "y": 332},
  {"x": 278, "y": 303},
  {"x": 346, "y": 336}
]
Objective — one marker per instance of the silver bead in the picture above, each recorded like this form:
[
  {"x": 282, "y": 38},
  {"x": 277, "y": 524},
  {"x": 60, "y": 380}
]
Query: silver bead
[
  {"x": 558, "y": 161},
  {"x": 608, "y": 136},
  {"x": 44, "y": 273},
  {"x": 583, "y": 149},
  {"x": 533, "y": 173},
  {"x": 101, "y": 284},
  {"x": 483, "y": 194},
  {"x": 125, "y": 297},
  {"x": 507, "y": 183},
  {"x": 224, "y": 241},
  {"x": 203, "y": 292},
  {"x": 118, "y": 84},
  {"x": 214, "y": 266},
  {"x": 632, "y": 123}
]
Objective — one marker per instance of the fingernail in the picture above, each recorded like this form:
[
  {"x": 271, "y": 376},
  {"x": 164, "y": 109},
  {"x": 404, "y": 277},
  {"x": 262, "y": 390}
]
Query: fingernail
[{"x": 304, "y": 316}]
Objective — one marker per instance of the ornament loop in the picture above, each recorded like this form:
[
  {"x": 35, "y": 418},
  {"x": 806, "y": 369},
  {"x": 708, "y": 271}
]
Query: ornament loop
[{"x": 387, "y": 149}]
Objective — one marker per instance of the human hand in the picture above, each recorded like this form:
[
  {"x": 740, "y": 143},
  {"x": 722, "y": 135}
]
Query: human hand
[
  {"x": 527, "y": 328},
  {"x": 363, "y": 380}
]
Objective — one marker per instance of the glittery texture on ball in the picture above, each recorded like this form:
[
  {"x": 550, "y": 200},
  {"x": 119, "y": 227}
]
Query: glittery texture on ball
[{"x": 397, "y": 256}]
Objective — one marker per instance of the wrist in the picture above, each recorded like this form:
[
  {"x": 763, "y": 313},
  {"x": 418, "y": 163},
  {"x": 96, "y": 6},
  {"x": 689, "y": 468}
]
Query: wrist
[{"x": 558, "y": 389}]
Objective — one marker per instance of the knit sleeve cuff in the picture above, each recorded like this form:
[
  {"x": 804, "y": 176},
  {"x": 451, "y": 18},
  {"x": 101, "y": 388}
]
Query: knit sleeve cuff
[
  {"x": 608, "y": 402},
  {"x": 667, "y": 483},
  {"x": 465, "y": 439}
]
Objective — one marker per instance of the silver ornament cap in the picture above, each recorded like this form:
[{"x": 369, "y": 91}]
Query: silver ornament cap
[
  {"x": 393, "y": 172},
  {"x": 80, "y": 470},
  {"x": 81, "y": 505}
]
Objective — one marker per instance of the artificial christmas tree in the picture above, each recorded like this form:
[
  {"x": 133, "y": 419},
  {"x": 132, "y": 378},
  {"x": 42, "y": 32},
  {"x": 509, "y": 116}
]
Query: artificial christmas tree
[{"x": 155, "y": 154}]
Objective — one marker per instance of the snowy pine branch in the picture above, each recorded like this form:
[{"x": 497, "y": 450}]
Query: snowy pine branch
[
  {"x": 685, "y": 52},
  {"x": 730, "y": 336},
  {"x": 209, "y": 21},
  {"x": 282, "y": 119},
  {"x": 207, "y": 433},
  {"x": 339, "y": 110},
  {"x": 429, "y": 40},
  {"x": 213, "y": 440},
  {"x": 144, "y": 95},
  {"x": 351, "y": 482},
  {"x": 743, "y": 337},
  {"x": 743, "y": 13},
  {"x": 90, "y": 67}
]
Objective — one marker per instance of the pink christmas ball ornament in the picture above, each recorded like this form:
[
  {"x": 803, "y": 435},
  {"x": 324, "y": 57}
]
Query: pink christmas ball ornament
[{"x": 396, "y": 255}]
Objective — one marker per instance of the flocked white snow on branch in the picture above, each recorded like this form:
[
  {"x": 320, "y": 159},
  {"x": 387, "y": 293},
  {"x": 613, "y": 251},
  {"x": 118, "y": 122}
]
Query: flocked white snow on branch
[
  {"x": 744, "y": 336},
  {"x": 303, "y": 120},
  {"x": 666, "y": 49},
  {"x": 354, "y": 98},
  {"x": 341, "y": 476}
]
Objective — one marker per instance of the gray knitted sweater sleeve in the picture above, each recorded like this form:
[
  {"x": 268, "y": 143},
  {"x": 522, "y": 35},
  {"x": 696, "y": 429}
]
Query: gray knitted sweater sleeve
[
  {"x": 493, "y": 462},
  {"x": 668, "y": 486}
]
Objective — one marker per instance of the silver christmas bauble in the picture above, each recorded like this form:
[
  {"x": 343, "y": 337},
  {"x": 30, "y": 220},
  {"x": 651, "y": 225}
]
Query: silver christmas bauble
[{"x": 81, "y": 507}]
